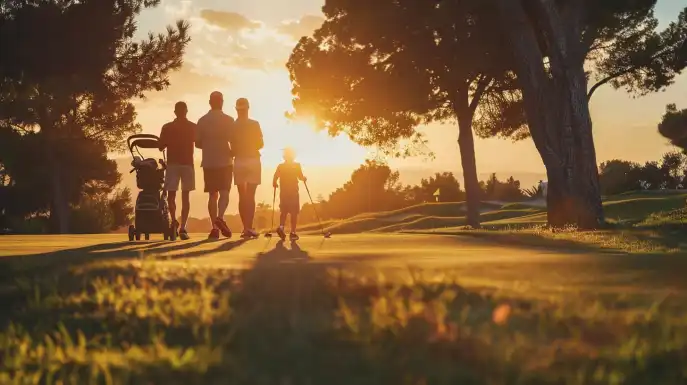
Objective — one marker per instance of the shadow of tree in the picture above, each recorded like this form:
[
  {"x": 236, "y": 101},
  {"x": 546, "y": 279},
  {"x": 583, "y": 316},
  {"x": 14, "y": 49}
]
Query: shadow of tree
[{"x": 288, "y": 319}]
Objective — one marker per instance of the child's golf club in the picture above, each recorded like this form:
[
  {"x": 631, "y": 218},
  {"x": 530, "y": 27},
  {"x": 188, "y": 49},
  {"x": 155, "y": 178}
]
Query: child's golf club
[
  {"x": 325, "y": 234},
  {"x": 268, "y": 234}
]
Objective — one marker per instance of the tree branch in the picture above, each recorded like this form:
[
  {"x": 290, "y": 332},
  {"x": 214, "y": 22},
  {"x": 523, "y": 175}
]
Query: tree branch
[
  {"x": 481, "y": 89},
  {"x": 626, "y": 71}
]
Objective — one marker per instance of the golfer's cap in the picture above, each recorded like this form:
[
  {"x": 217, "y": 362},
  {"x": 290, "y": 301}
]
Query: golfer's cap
[
  {"x": 242, "y": 104},
  {"x": 216, "y": 95}
]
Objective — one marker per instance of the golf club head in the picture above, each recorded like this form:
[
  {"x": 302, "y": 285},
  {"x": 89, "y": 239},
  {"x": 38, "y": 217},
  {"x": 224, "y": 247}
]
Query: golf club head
[
  {"x": 268, "y": 235},
  {"x": 328, "y": 234}
]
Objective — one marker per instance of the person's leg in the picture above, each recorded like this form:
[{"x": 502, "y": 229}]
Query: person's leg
[
  {"x": 223, "y": 203},
  {"x": 250, "y": 204},
  {"x": 185, "y": 207},
  {"x": 172, "y": 205},
  {"x": 212, "y": 207},
  {"x": 188, "y": 184},
  {"x": 242, "y": 203},
  {"x": 294, "y": 222},
  {"x": 282, "y": 219},
  {"x": 172, "y": 179}
]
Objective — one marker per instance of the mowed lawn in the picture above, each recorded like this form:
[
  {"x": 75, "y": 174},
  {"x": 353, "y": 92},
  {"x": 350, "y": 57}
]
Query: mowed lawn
[{"x": 354, "y": 309}]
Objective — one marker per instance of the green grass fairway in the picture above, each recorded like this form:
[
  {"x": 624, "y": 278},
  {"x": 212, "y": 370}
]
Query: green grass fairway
[
  {"x": 624, "y": 209},
  {"x": 353, "y": 309}
]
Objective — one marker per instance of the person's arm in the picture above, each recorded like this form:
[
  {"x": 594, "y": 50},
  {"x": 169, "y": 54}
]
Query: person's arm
[
  {"x": 163, "y": 138},
  {"x": 198, "y": 136},
  {"x": 231, "y": 131},
  {"x": 300, "y": 174},
  {"x": 276, "y": 177},
  {"x": 259, "y": 140}
]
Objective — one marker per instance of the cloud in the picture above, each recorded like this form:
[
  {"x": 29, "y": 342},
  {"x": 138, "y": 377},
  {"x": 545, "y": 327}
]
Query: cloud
[
  {"x": 186, "y": 82},
  {"x": 303, "y": 27},
  {"x": 181, "y": 9},
  {"x": 253, "y": 63},
  {"x": 230, "y": 21}
]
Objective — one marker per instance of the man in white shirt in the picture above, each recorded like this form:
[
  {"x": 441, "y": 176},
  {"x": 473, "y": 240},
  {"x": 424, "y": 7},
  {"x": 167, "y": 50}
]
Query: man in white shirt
[{"x": 213, "y": 136}]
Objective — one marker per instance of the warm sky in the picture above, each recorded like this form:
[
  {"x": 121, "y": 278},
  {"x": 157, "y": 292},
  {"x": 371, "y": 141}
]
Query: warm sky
[{"x": 240, "y": 48}]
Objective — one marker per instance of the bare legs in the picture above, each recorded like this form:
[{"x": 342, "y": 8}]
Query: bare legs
[
  {"x": 247, "y": 204},
  {"x": 294, "y": 221},
  {"x": 212, "y": 207},
  {"x": 223, "y": 202},
  {"x": 172, "y": 204},
  {"x": 185, "y": 206}
]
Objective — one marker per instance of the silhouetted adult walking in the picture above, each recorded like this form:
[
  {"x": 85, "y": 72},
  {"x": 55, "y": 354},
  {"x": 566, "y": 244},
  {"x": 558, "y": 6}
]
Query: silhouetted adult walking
[
  {"x": 247, "y": 142},
  {"x": 177, "y": 137},
  {"x": 214, "y": 135}
]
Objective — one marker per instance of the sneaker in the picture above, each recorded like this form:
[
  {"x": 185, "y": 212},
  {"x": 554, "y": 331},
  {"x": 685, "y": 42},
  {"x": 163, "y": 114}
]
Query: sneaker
[
  {"x": 293, "y": 236},
  {"x": 223, "y": 227},
  {"x": 249, "y": 234},
  {"x": 214, "y": 234},
  {"x": 281, "y": 233},
  {"x": 183, "y": 234}
]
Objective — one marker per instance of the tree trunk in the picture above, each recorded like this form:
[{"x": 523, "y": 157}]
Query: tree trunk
[
  {"x": 466, "y": 143},
  {"x": 59, "y": 206},
  {"x": 557, "y": 111}
]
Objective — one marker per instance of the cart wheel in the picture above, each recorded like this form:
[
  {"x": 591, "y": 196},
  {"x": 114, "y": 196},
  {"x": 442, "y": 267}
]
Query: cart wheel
[
  {"x": 147, "y": 236},
  {"x": 138, "y": 236},
  {"x": 172, "y": 234},
  {"x": 132, "y": 233}
]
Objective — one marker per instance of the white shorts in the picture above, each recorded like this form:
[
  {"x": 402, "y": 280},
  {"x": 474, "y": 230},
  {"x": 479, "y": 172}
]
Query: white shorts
[
  {"x": 186, "y": 174},
  {"x": 247, "y": 170}
]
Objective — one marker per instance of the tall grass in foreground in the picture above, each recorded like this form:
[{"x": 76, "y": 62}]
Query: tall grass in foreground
[{"x": 290, "y": 322}]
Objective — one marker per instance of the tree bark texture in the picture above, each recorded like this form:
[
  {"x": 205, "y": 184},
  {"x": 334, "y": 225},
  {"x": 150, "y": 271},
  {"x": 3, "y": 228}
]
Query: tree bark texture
[
  {"x": 556, "y": 106},
  {"x": 466, "y": 143}
]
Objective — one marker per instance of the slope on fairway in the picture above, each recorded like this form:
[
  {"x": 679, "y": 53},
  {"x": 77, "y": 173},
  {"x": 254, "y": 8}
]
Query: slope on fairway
[{"x": 630, "y": 207}]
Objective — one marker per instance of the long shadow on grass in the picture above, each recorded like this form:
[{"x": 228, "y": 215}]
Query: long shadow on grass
[
  {"x": 67, "y": 258},
  {"x": 289, "y": 320}
]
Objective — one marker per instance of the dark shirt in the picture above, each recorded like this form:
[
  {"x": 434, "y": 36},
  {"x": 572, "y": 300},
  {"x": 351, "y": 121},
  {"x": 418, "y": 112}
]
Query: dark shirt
[
  {"x": 178, "y": 137},
  {"x": 246, "y": 141},
  {"x": 289, "y": 173}
]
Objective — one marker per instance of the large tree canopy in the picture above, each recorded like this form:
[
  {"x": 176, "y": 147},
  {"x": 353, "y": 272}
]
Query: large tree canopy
[
  {"x": 553, "y": 45},
  {"x": 378, "y": 81},
  {"x": 673, "y": 126},
  {"x": 622, "y": 47},
  {"x": 72, "y": 80}
]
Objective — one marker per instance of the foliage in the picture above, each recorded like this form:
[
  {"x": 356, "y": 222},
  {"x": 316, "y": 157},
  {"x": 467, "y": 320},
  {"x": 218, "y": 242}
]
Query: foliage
[
  {"x": 92, "y": 215},
  {"x": 625, "y": 50},
  {"x": 673, "y": 126},
  {"x": 445, "y": 182},
  {"x": 71, "y": 82},
  {"x": 494, "y": 189},
  {"x": 372, "y": 187},
  {"x": 533, "y": 192},
  {"x": 26, "y": 165},
  {"x": 121, "y": 208},
  {"x": 618, "y": 176}
]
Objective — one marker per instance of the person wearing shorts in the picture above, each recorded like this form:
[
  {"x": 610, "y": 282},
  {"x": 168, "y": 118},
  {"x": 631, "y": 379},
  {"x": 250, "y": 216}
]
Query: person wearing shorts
[
  {"x": 213, "y": 136},
  {"x": 178, "y": 137},
  {"x": 288, "y": 175},
  {"x": 246, "y": 144}
]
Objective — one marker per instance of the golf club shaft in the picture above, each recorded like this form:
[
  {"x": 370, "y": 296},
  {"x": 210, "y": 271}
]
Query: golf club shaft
[
  {"x": 313, "y": 206},
  {"x": 274, "y": 200}
]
